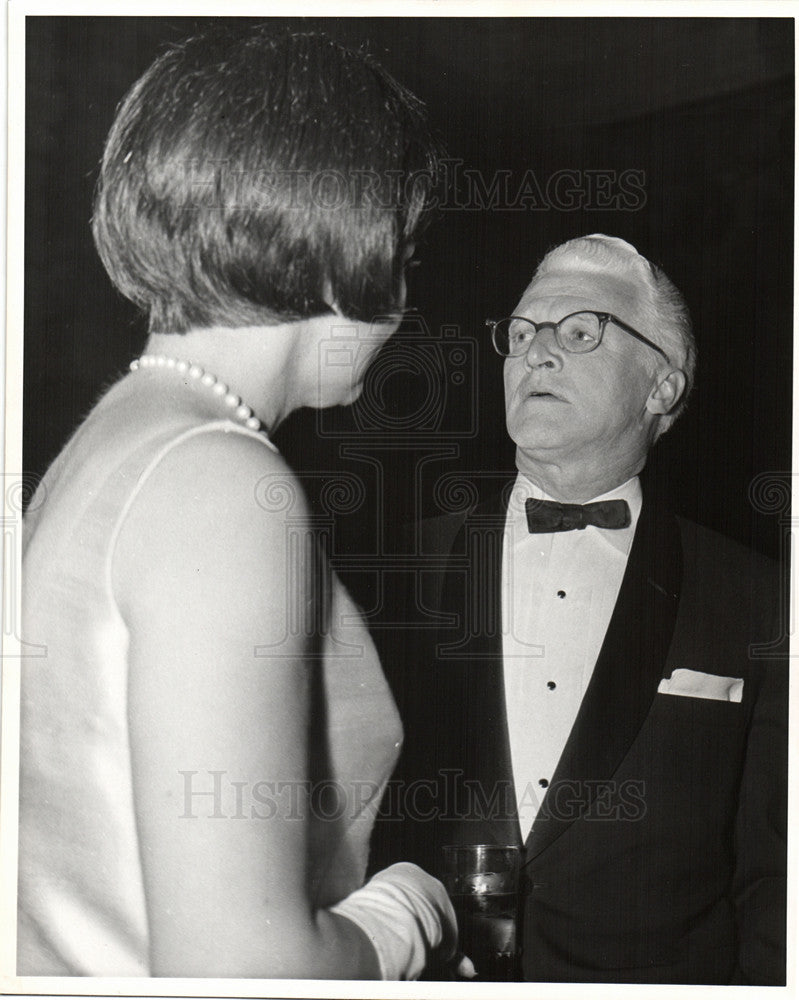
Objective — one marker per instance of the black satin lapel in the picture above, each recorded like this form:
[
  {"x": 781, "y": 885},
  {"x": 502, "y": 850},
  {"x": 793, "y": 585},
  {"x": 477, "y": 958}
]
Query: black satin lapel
[
  {"x": 474, "y": 756},
  {"x": 625, "y": 679}
]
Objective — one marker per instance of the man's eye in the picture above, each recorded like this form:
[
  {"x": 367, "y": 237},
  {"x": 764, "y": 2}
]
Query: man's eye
[{"x": 579, "y": 333}]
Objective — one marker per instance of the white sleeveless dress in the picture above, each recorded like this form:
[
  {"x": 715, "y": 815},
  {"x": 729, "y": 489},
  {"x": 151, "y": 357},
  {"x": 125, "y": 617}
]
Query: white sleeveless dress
[{"x": 82, "y": 906}]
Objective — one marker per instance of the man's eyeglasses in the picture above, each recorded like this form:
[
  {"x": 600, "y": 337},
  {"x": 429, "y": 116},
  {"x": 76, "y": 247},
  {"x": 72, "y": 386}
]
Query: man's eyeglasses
[{"x": 577, "y": 333}]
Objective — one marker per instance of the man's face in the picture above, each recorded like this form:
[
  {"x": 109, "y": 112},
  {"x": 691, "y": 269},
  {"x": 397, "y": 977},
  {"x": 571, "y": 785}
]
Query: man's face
[{"x": 561, "y": 407}]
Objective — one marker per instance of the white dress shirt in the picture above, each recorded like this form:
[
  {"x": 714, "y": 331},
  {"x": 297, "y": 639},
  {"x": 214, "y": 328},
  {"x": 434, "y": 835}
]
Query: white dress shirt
[{"x": 559, "y": 590}]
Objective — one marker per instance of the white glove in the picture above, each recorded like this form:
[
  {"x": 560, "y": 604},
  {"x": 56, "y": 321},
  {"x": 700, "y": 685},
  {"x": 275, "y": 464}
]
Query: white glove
[{"x": 407, "y": 915}]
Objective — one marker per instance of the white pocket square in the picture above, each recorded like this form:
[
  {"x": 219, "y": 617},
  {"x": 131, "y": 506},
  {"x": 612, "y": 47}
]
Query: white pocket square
[{"x": 694, "y": 684}]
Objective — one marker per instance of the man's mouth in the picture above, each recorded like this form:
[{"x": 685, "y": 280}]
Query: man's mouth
[{"x": 541, "y": 394}]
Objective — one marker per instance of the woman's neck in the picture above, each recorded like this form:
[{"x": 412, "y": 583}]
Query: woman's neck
[{"x": 258, "y": 364}]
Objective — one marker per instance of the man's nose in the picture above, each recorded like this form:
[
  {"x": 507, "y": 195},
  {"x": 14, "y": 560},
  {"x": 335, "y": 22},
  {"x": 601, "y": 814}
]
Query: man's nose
[{"x": 544, "y": 350}]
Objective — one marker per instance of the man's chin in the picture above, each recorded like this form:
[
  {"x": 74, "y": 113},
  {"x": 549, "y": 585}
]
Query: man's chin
[{"x": 539, "y": 437}]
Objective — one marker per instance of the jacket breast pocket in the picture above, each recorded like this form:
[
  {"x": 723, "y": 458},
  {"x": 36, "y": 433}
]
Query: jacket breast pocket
[{"x": 686, "y": 712}]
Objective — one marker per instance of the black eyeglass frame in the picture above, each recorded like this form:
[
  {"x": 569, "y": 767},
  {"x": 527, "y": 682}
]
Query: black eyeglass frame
[{"x": 603, "y": 317}]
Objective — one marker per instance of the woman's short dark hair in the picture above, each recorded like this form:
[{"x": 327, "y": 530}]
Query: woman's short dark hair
[{"x": 255, "y": 177}]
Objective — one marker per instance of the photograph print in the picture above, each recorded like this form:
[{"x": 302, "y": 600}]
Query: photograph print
[{"x": 402, "y": 527}]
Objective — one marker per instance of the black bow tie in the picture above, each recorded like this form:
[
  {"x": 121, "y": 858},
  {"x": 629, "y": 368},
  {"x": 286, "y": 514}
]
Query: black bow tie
[{"x": 548, "y": 515}]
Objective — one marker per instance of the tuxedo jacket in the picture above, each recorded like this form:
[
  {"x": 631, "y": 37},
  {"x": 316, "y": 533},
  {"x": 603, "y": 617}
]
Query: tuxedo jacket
[{"x": 659, "y": 851}]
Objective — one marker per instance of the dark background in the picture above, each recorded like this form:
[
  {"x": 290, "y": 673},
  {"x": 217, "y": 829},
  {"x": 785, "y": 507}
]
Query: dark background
[{"x": 701, "y": 110}]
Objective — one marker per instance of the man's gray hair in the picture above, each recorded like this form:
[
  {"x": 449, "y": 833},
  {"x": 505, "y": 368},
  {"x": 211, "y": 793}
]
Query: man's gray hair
[{"x": 665, "y": 309}]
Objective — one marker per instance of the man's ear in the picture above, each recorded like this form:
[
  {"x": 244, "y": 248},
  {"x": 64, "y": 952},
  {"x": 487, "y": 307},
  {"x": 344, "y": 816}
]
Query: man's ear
[{"x": 667, "y": 393}]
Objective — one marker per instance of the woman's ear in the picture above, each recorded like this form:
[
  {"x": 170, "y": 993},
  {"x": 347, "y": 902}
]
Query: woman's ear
[{"x": 330, "y": 298}]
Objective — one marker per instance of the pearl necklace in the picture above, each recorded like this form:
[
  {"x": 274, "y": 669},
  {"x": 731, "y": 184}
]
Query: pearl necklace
[{"x": 240, "y": 410}]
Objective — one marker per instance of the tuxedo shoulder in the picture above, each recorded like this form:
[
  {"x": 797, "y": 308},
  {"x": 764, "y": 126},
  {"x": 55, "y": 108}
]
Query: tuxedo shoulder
[
  {"x": 712, "y": 547},
  {"x": 726, "y": 572}
]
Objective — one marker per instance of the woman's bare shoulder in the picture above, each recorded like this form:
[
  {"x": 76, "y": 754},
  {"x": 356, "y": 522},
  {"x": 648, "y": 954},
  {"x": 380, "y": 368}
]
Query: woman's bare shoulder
[
  {"x": 222, "y": 470},
  {"x": 216, "y": 503}
]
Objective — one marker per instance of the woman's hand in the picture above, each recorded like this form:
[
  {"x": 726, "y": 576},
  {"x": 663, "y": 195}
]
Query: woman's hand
[{"x": 407, "y": 916}]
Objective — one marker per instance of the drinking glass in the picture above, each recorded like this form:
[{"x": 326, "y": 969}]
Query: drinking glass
[{"x": 482, "y": 881}]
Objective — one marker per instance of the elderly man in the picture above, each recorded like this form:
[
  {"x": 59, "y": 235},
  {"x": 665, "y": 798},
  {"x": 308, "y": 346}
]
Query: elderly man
[{"x": 594, "y": 698}]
